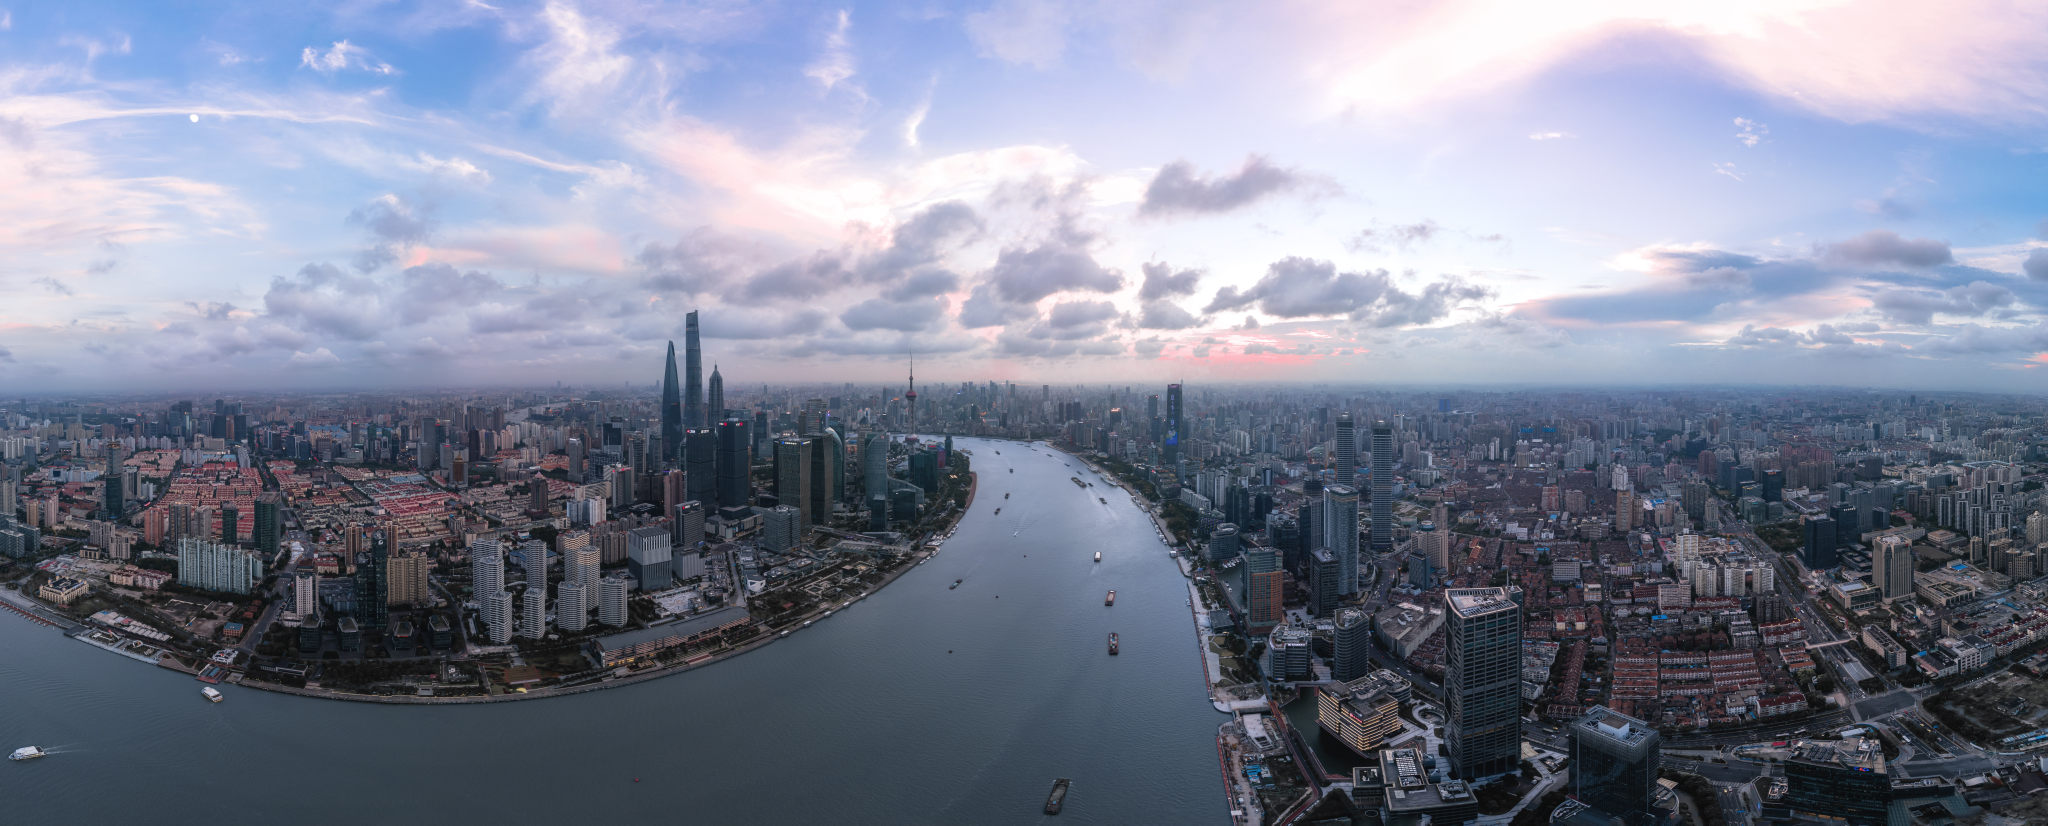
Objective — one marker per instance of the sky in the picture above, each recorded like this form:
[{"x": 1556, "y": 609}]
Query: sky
[{"x": 368, "y": 194}]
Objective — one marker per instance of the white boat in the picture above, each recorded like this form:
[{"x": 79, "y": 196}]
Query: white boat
[
  {"x": 211, "y": 694},
  {"x": 27, "y": 753},
  {"x": 1098, "y": 556}
]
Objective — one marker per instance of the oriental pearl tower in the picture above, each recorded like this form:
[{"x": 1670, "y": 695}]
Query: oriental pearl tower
[{"x": 910, "y": 396}]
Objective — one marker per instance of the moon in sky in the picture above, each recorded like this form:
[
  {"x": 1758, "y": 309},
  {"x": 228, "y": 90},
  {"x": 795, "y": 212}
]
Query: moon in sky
[{"x": 195, "y": 118}]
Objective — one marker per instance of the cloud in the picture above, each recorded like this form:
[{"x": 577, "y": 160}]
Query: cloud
[
  {"x": 1028, "y": 275},
  {"x": 1400, "y": 235},
  {"x": 1165, "y": 315},
  {"x": 342, "y": 55},
  {"x": 1549, "y": 136},
  {"x": 835, "y": 65},
  {"x": 1750, "y": 133},
  {"x": 1070, "y": 314},
  {"x": 1880, "y": 248},
  {"x": 805, "y": 278},
  {"x": 6, "y": 355},
  {"x": 1029, "y": 32},
  {"x": 1178, "y": 189},
  {"x": 1729, "y": 170},
  {"x": 904, "y": 316},
  {"x": 321, "y": 357},
  {"x": 2036, "y": 266},
  {"x": 1308, "y": 288},
  {"x": 1918, "y": 306},
  {"x": 1162, "y": 282},
  {"x": 1889, "y": 206}
]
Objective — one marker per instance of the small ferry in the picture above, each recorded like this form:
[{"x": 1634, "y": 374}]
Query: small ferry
[
  {"x": 1059, "y": 794},
  {"x": 956, "y": 584},
  {"x": 27, "y": 753},
  {"x": 1098, "y": 556},
  {"x": 1111, "y": 599},
  {"x": 1006, "y": 496},
  {"x": 1102, "y": 500},
  {"x": 1112, "y": 643},
  {"x": 1077, "y": 481},
  {"x": 999, "y": 511},
  {"x": 212, "y": 694}
]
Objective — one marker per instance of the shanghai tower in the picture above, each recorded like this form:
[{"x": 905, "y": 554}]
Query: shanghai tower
[
  {"x": 693, "y": 375},
  {"x": 672, "y": 404}
]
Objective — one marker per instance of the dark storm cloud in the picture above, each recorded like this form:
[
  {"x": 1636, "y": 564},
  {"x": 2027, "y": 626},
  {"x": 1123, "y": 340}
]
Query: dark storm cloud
[
  {"x": 1177, "y": 188},
  {"x": 1881, "y": 248},
  {"x": 1162, "y": 282}
]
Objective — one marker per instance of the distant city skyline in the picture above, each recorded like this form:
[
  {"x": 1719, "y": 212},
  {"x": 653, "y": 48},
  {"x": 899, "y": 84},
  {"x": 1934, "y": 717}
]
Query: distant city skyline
[{"x": 422, "y": 194}]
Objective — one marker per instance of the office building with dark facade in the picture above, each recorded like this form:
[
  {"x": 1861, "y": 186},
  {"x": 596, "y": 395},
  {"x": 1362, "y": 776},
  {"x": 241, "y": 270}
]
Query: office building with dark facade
[
  {"x": 1483, "y": 681},
  {"x": 1614, "y": 763}
]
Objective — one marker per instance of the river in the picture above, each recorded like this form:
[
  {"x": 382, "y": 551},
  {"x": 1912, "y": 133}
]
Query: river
[{"x": 921, "y": 704}]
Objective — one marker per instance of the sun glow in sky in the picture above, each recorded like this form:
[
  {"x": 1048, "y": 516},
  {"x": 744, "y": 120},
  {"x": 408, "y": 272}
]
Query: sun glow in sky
[{"x": 393, "y": 193}]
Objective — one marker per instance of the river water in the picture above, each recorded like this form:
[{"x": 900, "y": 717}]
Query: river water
[{"x": 921, "y": 704}]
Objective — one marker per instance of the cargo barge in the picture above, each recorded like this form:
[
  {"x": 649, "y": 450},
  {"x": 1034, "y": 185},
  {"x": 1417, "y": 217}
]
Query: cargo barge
[{"x": 1059, "y": 795}]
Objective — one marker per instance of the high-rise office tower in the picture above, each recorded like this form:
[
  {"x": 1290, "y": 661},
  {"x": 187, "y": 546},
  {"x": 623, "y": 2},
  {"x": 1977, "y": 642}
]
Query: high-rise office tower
[
  {"x": 1891, "y": 567},
  {"x": 701, "y": 465},
  {"x": 1263, "y": 588},
  {"x": 269, "y": 510},
  {"x": 1339, "y": 518},
  {"x": 874, "y": 463},
  {"x": 693, "y": 375},
  {"x": 373, "y": 583},
  {"x": 1169, "y": 447},
  {"x": 1352, "y": 638},
  {"x": 1382, "y": 483},
  {"x": 793, "y": 475},
  {"x": 649, "y": 557},
  {"x": 611, "y": 599},
  {"x": 734, "y": 458},
  {"x": 781, "y": 528},
  {"x": 1614, "y": 763},
  {"x": 689, "y": 523},
  {"x": 714, "y": 399},
  {"x": 1346, "y": 460},
  {"x": 1483, "y": 680},
  {"x": 672, "y": 405},
  {"x": 576, "y": 460},
  {"x": 1818, "y": 551},
  {"x": 827, "y": 459},
  {"x": 1223, "y": 544}
]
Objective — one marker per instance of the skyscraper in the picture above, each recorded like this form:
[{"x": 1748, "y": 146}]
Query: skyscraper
[
  {"x": 1891, "y": 567},
  {"x": 1339, "y": 517},
  {"x": 1347, "y": 450},
  {"x": 268, "y": 512},
  {"x": 373, "y": 583},
  {"x": 1352, "y": 638},
  {"x": 1263, "y": 588},
  {"x": 1382, "y": 483},
  {"x": 793, "y": 475},
  {"x": 1614, "y": 763},
  {"x": 910, "y": 396},
  {"x": 211, "y": 566},
  {"x": 700, "y": 480},
  {"x": 734, "y": 457},
  {"x": 714, "y": 401},
  {"x": 1483, "y": 681},
  {"x": 672, "y": 405},
  {"x": 648, "y": 555},
  {"x": 693, "y": 375},
  {"x": 572, "y": 606},
  {"x": 533, "y": 556},
  {"x": 611, "y": 600},
  {"x": 1169, "y": 447},
  {"x": 486, "y": 568}
]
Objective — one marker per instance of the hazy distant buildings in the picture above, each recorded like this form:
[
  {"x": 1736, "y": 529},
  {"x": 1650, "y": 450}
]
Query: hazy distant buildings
[
  {"x": 1483, "y": 681},
  {"x": 1169, "y": 447}
]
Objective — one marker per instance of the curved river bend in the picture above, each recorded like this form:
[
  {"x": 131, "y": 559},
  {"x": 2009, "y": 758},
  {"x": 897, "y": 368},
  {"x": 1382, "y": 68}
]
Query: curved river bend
[{"x": 920, "y": 704}]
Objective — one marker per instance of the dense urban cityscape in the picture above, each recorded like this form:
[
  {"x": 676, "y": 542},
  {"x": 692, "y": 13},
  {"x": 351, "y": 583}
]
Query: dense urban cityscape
[{"x": 1734, "y": 605}]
